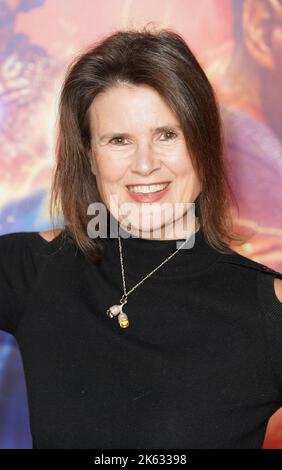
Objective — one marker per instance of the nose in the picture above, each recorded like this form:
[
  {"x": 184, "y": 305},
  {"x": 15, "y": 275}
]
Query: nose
[{"x": 145, "y": 160}]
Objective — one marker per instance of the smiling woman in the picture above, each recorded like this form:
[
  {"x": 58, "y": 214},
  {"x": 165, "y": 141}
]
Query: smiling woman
[
  {"x": 194, "y": 360},
  {"x": 137, "y": 110}
]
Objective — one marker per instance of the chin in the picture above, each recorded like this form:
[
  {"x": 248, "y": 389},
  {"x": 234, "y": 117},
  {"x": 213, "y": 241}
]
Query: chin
[{"x": 136, "y": 229}]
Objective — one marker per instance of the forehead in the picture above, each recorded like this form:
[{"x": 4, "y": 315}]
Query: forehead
[{"x": 131, "y": 106}]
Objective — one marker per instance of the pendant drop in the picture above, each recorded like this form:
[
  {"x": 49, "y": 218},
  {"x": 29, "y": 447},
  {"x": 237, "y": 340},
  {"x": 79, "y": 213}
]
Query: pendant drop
[
  {"x": 123, "y": 320},
  {"x": 122, "y": 317}
]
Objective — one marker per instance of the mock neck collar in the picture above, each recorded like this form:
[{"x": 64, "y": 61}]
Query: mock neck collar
[{"x": 142, "y": 255}]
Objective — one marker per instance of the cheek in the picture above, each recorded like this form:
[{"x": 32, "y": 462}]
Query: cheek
[
  {"x": 188, "y": 183},
  {"x": 109, "y": 171},
  {"x": 182, "y": 165}
]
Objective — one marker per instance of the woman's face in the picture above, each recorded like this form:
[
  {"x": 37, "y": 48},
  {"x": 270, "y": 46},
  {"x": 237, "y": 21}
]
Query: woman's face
[{"x": 137, "y": 143}]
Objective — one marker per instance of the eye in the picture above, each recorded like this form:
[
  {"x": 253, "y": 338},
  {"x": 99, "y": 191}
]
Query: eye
[
  {"x": 116, "y": 139},
  {"x": 171, "y": 133}
]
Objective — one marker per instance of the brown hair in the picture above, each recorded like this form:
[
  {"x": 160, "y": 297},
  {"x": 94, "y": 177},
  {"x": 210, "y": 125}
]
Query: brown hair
[{"x": 162, "y": 60}]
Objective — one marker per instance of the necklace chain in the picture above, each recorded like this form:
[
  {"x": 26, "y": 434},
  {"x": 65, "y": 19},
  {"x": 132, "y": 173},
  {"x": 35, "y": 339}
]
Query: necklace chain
[
  {"x": 124, "y": 297},
  {"x": 117, "y": 310}
]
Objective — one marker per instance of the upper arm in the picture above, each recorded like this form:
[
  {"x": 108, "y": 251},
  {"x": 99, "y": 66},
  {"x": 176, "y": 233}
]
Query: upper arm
[
  {"x": 16, "y": 275},
  {"x": 278, "y": 288}
]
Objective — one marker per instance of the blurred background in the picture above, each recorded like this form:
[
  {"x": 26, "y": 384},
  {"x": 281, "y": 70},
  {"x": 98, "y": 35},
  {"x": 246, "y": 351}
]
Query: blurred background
[{"x": 238, "y": 43}]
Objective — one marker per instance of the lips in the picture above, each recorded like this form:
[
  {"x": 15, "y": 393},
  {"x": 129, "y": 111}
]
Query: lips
[{"x": 148, "y": 197}]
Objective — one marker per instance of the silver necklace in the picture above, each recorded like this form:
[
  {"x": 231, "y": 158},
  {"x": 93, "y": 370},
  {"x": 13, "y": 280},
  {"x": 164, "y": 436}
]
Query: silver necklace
[{"x": 116, "y": 310}]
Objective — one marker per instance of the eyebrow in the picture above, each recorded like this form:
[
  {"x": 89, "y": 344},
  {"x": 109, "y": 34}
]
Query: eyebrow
[{"x": 152, "y": 130}]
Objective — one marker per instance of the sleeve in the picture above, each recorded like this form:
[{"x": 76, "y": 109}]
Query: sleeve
[
  {"x": 272, "y": 310},
  {"x": 16, "y": 274}
]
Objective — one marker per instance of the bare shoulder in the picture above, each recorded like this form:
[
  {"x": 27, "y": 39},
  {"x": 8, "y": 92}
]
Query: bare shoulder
[
  {"x": 278, "y": 288},
  {"x": 49, "y": 235}
]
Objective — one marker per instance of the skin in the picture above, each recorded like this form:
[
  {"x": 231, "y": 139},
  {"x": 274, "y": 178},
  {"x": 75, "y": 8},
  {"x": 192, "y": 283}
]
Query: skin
[
  {"x": 141, "y": 156},
  {"x": 49, "y": 235}
]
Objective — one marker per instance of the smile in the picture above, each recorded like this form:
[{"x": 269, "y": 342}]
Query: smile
[
  {"x": 148, "y": 189},
  {"x": 148, "y": 193}
]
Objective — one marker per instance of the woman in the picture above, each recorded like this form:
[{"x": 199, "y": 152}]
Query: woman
[{"x": 132, "y": 341}]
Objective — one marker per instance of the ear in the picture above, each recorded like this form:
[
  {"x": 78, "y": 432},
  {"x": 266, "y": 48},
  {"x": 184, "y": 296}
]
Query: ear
[{"x": 258, "y": 20}]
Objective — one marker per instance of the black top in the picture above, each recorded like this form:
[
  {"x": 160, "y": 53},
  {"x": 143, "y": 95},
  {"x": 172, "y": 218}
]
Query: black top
[{"x": 200, "y": 365}]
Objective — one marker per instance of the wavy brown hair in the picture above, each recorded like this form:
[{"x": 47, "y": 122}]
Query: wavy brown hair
[{"x": 161, "y": 59}]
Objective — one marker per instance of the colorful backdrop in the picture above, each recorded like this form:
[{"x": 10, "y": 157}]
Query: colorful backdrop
[{"x": 242, "y": 57}]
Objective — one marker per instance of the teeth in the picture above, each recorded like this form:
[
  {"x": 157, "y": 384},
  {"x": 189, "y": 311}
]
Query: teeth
[{"x": 148, "y": 189}]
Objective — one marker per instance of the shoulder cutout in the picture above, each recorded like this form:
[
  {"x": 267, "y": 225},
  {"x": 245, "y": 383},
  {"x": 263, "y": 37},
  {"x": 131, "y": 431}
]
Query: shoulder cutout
[
  {"x": 49, "y": 235},
  {"x": 278, "y": 288}
]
